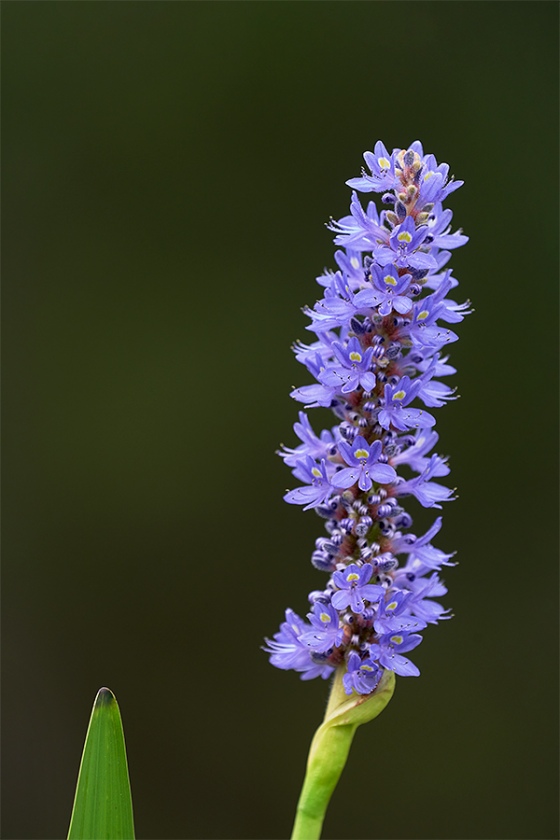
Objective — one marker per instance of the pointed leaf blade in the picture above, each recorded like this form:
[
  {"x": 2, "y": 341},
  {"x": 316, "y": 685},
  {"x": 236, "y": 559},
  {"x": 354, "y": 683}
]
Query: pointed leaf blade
[{"x": 103, "y": 803}]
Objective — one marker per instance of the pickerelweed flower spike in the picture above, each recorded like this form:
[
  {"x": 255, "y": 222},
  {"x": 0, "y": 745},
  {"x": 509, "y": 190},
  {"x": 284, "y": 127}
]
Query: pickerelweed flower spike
[{"x": 381, "y": 335}]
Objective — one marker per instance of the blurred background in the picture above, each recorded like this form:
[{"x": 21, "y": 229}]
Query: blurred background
[{"x": 168, "y": 169}]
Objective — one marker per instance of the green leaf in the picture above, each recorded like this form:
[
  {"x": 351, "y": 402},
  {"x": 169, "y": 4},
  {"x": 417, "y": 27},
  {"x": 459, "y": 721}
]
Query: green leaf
[{"x": 103, "y": 803}]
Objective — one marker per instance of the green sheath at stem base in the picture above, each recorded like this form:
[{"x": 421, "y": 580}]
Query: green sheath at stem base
[{"x": 330, "y": 747}]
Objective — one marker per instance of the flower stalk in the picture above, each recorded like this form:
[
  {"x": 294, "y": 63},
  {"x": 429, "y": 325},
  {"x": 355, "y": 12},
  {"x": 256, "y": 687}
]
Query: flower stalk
[
  {"x": 329, "y": 750},
  {"x": 378, "y": 360}
]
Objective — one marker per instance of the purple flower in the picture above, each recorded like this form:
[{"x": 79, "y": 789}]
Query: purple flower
[
  {"x": 403, "y": 246},
  {"x": 427, "y": 492},
  {"x": 316, "y": 447},
  {"x": 423, "y": 328},
  {"x": 353, "y": 368},
  {"x": 288, "y": 652},
  {"x": 435, "y": 394},
  {"x": 422, "y": 591},
  {"x": 434, "y": 185},
  {"x": 335, "y": 309},
  {"x": 439, "y": 225},
  {"x": 414, "y": 455},
  {"x": 354, "y": 588},
  {"x": 388, "y": 291},
  {"x": 351, "y": 265},
  {"x": 286, "y": 649},
  {"x": 380, "y": 326},
  {"x": 314, "y": 395},
  {"x": 326, "y": 633},
  {"x": 394, "y": 615},
  {"x": 362, "y": 675},
  {"x": 319, "y": 488},
  {"x": 423, "y": 556},
  {"x": 364, "y": 466},
  {"x": 389, "y": 652},
  {"x": 359, "y": 231},
  {"x": 382, "y": 168},
  {"x": 395, "y": 412}
]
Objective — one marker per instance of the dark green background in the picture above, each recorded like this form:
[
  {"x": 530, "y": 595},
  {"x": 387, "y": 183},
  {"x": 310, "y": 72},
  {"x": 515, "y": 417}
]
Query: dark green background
[{"x": 167, "y": 171}]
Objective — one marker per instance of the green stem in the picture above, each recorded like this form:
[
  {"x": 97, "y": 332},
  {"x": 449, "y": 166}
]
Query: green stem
[
  {"x": 321, "y": 779},
  {"x": 330, "y": 747}
]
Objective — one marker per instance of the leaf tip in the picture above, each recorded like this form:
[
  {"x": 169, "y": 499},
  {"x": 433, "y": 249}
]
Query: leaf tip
[{"x": 104, "y": 697}]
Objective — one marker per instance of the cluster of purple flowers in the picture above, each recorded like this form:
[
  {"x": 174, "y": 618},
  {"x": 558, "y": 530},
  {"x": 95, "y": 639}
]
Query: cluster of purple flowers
[{"x": 377, "y": 353}]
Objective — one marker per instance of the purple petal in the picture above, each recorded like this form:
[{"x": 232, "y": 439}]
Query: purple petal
[
  {"x": 340, "y": 600},
  {"x": 360, "y": 443},
  {"x": 313, "y": 395},
  {"x": 383, "y": 473},
  {"x": 345, "y": 478},
  {"x": 309, "y": 496},
  {"x": 367, "y": 381},
  {"x": 362, "y": 184},
  {"x": 372, "y": 592},
  {"x": 365, "y": 481},
  {"x": 420, "y": 260},
  {"x": 346, "y": 451},
  {"x": 402, "y": 304},
  {"x": 402, "y": 666},
  {"x": 367, "y": 297},
  {"x": 374, "y": 452},
  {"x": 356, "y": 602}
]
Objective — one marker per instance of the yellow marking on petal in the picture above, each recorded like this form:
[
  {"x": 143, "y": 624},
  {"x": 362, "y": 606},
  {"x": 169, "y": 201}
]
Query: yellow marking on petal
[
  {"x": 354, "y": 262},
  {"x": 399, "y": 395},
  {"x": 398, "y": 640},
  {"x": 392, "y": 606},
  {"x": 404, "y": 236},
  {"x": 390, "y": 280},
  {"x": 428, "y": 175},
  {"x": 325, "y": 618},
  {"x": 384, "y": 163},
  {"x": 352, "y": 576},
  {"x": 366, "y": 668},
  {"x": 361, "y": 453},
  {"x": 355, "y": 357},
  {"x": 423, "y": 314},
  {"x": 317, "y": 472}
]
